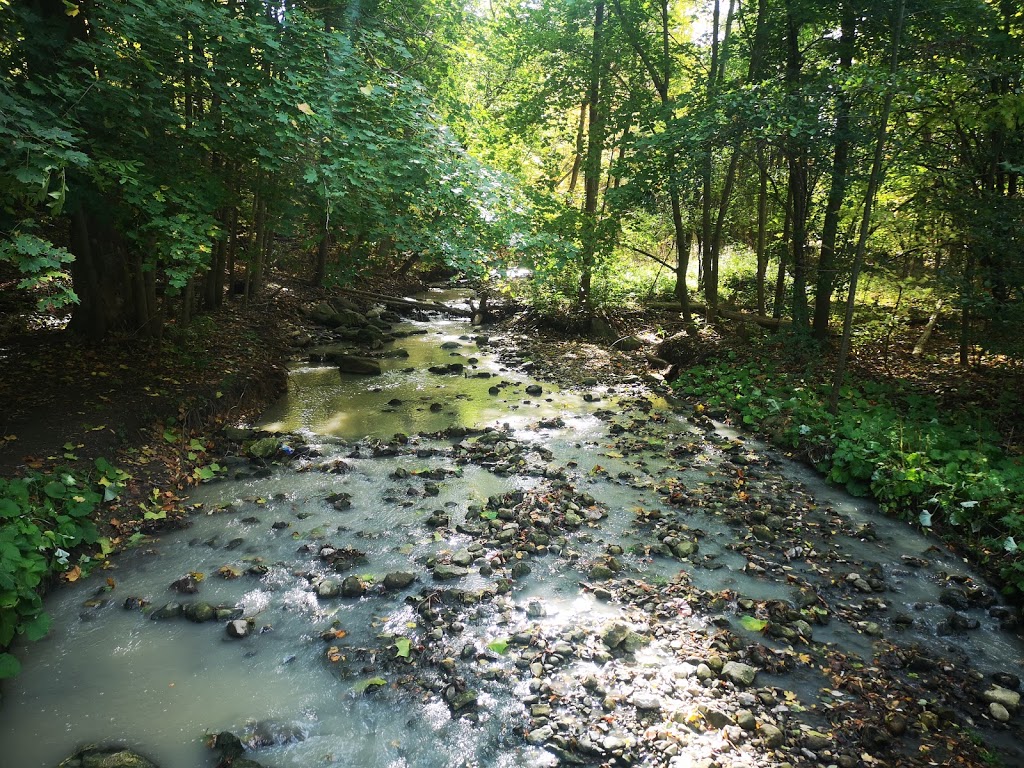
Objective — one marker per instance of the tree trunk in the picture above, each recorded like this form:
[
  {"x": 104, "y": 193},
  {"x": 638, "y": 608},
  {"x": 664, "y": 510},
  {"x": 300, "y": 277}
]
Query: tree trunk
[
  {"x": 577, "y": 158},
  {"x": 828, "y": 262},
  {"x": 762, "y": 229},
  {"x": 592, "y": 167},
  {"x": 869, "y": 197}
]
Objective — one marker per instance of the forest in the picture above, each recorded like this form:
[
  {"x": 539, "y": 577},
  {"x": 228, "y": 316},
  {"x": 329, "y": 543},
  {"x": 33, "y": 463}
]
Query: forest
[{"x": 813, "y": 209}]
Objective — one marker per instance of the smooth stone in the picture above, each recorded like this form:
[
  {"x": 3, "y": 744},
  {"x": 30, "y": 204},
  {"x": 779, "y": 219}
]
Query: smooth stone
[
  {"x": 999, "y": 712},
  {"x": 352, "y": 586},
  {"x": 773, "y": 737},
  {"x": 1003, "y": 696},
  {"x": 444, "y": 572},
  {"x": 398, "y": 580},
  {"x": 738, "y": 673},
  {"x": 646, "y": 702},
  {"x": 238, "y": 628}
]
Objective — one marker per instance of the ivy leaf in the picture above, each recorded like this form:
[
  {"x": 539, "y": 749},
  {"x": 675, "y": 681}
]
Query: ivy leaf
[{"x": 9, "y": 666}]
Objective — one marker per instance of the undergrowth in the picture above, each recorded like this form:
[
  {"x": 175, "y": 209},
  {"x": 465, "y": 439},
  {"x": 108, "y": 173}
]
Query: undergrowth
[
  {"x": 46, "y": 528},
  {"x": 944, "y": 471}
]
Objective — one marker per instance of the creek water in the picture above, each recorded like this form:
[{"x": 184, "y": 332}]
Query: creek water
[{"x": 106, "y": 674}]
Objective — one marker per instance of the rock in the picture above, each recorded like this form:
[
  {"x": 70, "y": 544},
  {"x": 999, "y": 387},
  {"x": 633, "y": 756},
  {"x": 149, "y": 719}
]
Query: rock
[
  {"x": 239, "y": 434},
  {"x": 463, "y": 558},
  {"x": 740, "y": 674},
  {"x": 187, "y": 585},
  {"x": 816, "y": 742},
  {"x": 264, "y": 448},
  {"x": 614, "y": 635},
  {"x": 646, "y": 701},
  {"x": 717, "y": 719},
  {"x": 398, "y": 580},
  {"x": 745, "y": 719},
  {"x": 535, "y": 609},
  {"x": 352, "y": 586},
  {"x": 540, "y": 735},
  {"x": 168, "y": 611},
  {"x": 200, "y": 612},
  {"x": 684, "y": 549},
  {"x": 704, "y": 672},
  {"x": 998, "y": 712},
  {"x": 363, "y": 366},
  {"x": 629, "y": 344},
  {"x": 535, "y": 390},
  {"x": 1002, "y": 696},
  {"x": 600, "y": 572},
  {"x": 463, "y": 700},
  {"x": 773, "y": 737},
  {"x": 328, "y": 588},
  {"x": 444, "y": 572},
  {"x": 239, "y": 628},
  {"x": 106, "y": 757}
]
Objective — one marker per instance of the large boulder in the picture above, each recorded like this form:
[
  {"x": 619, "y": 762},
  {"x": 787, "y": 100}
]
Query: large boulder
[{"x": 364, "y": 366}]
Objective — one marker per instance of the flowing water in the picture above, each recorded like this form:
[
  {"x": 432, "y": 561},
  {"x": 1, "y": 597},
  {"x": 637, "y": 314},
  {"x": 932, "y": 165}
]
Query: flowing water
[{"x": 107, "y": 674}]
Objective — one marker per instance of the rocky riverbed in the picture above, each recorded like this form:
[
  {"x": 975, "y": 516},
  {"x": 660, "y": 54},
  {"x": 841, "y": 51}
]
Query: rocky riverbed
[{"x": 577, "y": 570}]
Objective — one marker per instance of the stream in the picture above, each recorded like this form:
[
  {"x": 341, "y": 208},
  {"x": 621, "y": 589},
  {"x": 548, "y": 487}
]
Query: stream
[{"x": 444, "y": 569}]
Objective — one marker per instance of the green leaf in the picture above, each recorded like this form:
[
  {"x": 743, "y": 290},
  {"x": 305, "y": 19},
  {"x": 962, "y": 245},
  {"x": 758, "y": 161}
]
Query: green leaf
[
  {"x": 499, "y": 646},
  {"x": 361, "y": 686},
  {"x": 752, "y": 624},
  {"x": 403, "y": 644},
  {"x": 9, "y": 666},
  {"x": 37, "y": 628},
  {"x": 55, "y": 490}
]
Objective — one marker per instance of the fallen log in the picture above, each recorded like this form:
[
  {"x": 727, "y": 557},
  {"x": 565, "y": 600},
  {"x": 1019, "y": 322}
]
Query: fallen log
[
  {"x": 927, "y": 332},
  {"x": 429, "y": 306},
  {"x": 740, "y": 317}
]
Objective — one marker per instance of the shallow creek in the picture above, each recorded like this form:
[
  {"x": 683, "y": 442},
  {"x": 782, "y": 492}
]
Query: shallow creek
[{"x": 638, "y": 473}]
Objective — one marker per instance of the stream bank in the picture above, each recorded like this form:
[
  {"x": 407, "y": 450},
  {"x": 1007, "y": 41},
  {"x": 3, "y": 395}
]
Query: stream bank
[{"x": 589, "y": 577}]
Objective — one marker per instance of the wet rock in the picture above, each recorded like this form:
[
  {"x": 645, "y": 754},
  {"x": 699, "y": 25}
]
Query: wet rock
[
  {"x": 362, "y": 366},
  {"x": 239, "y": 628},
  {"x": 535, "y": 609},
  {"x": 186, "y": 585},
  {"x": 540, "y": 735},
  {"x": 328, "y": 588},
  {"x": 614, "y": 635},
  {"x": 264, "y": 448},
  {"x": 168, "y": 611},
  {"x": 600, "y": 572},
  {"x": 200, "y": 612},
  {"x": 740, "y": 674},
  {"x": 106, "y": 757},
  {"x": 135, "y": 603},
  {"x": 398, "y": 580},
  {"x": 444, "y": 572},
  {"x": 535, "y": 390},
  {"x": 955, "y": 598},
  {"x": 352, "y": 586},
  {"x": 999, "y": 695},
  {"x": 463, "y": 558}
]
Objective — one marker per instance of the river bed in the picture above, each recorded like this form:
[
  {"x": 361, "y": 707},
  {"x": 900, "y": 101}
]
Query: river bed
[{"x": 538, "y": 527}]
